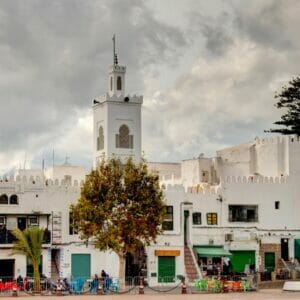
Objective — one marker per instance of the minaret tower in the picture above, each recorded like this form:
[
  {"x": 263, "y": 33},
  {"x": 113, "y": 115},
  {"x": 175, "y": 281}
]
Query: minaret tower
[{"x": 117, "y": 118}]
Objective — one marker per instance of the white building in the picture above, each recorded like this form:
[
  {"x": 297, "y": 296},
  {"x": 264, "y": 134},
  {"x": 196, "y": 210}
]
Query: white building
[{"x": 243, "y": 203}]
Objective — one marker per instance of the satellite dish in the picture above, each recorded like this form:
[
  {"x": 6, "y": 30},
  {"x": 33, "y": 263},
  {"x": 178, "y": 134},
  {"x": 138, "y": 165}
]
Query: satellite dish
[{"x": 126, "y": 99}]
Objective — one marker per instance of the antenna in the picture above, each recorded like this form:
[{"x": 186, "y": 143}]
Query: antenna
[
  {"x": 53, "y": 158},
  {"x": 25, "y": 159},
  {"x": 115, "y": 56}
]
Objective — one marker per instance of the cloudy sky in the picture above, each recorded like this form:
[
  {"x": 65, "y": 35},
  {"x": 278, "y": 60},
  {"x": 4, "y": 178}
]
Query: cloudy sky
[{"x": 208, "y": 71}]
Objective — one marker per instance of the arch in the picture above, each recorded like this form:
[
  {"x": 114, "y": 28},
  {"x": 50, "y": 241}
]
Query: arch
[
  {"x": 119, "y": 83},
  {"x": 100, "y": 139},
  {"x": 13, "y": 199},
  {"x": 111, "y": 83},
  {"x": 3, "y": 199},
  {"x": 124, "y": 139}
]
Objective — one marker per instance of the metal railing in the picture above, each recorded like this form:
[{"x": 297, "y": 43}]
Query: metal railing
[{"x": 6, "y": 237}]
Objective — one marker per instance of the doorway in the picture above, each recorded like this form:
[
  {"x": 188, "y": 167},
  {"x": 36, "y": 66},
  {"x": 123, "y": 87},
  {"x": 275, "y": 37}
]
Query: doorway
[
  {"x": 7, "y": 267},
  {"x": 270, "y": 261},
  {"x": 186, "y": 227},
  {"x": 136, "y": 265},
  {"x": 285, "y": 249},
  {"x": 22, "y": 223},
  {"x": 81, "y": 265}
]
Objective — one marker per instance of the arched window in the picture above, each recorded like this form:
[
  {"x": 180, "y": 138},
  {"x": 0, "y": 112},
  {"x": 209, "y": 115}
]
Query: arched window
[
  {"x": 3, "y": 199},
  {"x": 119, "y": 83},
  {"x": 13, "y": 199},
  {"x": 100, "y": 139},
  {"x": 124, "y": 139},
  {"x": 111, "y": 83}
]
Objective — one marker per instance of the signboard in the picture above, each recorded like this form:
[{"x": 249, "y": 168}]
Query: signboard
[{"x": 167, "y": 252}]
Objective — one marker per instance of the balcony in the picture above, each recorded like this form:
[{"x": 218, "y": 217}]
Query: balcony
[{"x": 6, "y": 237}]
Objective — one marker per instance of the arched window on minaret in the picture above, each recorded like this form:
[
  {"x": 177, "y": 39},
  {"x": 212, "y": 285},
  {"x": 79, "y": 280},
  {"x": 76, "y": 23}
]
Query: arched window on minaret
[
  {"x": 124, "y": 139},
  {"x": 100, "y": 139},
  {"x": 119, "y": 83},
  {"x": 111, "y": 83}
]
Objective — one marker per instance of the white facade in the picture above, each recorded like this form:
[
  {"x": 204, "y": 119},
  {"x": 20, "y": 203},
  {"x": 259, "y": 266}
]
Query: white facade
[
  {"x": 47, "y": 202},
  {"x": 262, "y": 175}
]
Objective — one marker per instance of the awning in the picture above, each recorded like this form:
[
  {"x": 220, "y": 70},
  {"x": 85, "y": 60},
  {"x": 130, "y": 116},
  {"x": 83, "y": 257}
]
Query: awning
[{"x": 211, "y": 251}]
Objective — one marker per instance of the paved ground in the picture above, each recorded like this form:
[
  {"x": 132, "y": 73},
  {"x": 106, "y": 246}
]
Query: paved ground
[{"x": 268, "y": 294}]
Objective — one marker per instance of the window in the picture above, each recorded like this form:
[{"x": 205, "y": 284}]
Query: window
[
  {"x": 68, "y": 179},
  {"x": 277, "y": 204},
  {"x": 212, "y": 218},
  {"x": 13, "y": 199},
  {"x": 119, "y": 83},
  {"x": 197, "y": 218},
  {"x": 243, "y": 213},
  {"x": 100, "y": 139},
  {"x": 168, "y": 220},
  {"x": 2, "y": 220},
  {"x": 33, "y": 221},
  {"x": 73, "y": 229},
  {"x": 111, "y": 83},
  {"x": 3, "y": 199},
  {"x": 205, "y": 176},
  {"x": 124, "y": 139}
]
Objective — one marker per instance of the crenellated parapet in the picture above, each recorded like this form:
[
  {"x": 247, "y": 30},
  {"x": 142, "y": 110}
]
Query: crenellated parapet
[
  {"x": 209, "y": 190},
  {"x": 291, "y": 139},
  {"x": 118, "y": 98},
  {"x": 36, "y": 183},
  {"x": 254, "y": 180}
]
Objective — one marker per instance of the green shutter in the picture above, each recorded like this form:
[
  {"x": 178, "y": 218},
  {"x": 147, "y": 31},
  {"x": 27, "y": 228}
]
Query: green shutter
[
  {"x": 166, "y": 269},
  {"x": 297, "y": 249},
  {"x": 270, "y": 261},
  {"x": 240, "y": 259},
  {"x": 81, "y": 265}
]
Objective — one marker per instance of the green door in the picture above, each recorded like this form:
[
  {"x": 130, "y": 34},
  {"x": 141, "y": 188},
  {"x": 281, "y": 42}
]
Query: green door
[
  {"x": 297, "y": 249},
  {"x": 166, "y": 269},
  {"x": 270, "y": 261},
  {"x": 81, "y": 265},
  {"x": 240, "y": 259}
]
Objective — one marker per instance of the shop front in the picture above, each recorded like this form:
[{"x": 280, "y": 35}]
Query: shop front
[{"x": 212, "y": 260}]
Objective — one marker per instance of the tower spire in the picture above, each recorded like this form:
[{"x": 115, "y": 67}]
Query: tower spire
[{"x": 115, "y": 56}]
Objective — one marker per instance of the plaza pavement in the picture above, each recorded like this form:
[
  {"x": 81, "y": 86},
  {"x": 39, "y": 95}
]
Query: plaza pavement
[{"x": 267, "y": 294}]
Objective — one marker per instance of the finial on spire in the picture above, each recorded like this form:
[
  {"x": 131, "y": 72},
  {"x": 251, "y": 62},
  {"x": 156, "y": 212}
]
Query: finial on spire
[{"x": 115, "y": 56}]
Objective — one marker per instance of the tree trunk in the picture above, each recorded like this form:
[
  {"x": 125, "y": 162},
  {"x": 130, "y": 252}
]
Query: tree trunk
[
  {"x": 122, "y": 265},
  {"x": 36, "y": 277}
]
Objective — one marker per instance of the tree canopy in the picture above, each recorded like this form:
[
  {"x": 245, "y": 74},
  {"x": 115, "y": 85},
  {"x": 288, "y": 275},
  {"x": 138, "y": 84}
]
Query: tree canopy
[
  {"x": 121, "y": 207},
  {"x": 289, "y": 99}
]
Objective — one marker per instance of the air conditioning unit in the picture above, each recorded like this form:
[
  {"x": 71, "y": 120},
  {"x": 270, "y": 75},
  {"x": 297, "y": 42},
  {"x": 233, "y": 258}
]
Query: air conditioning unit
[{"x": 228, "y": 237}]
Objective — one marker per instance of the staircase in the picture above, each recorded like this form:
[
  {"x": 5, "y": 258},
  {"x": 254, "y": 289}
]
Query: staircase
[
  {"x": 190, "y": 268},
  {"x": 54, "y": 266}
]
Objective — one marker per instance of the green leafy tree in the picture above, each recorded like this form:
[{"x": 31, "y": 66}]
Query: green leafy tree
[
  {"x": 289, "y": 99},
  {"x": 29, "y": 243},
  {"x": 121, "y": 208}
]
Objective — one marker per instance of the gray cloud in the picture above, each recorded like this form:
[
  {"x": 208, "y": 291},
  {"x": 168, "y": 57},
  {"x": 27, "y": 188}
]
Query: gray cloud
[
  {"x": 54, "y": 59},
  {"x": 208, "y": 82}
]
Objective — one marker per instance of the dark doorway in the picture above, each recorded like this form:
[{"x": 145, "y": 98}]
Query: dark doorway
[
  {"x": 285, "y": 249},
  {"x": 136, "y": 265},
  {"x": 7, "y": 267},
  {"x": 186, "y": 218},
  {"x": 22, "y": 223}
]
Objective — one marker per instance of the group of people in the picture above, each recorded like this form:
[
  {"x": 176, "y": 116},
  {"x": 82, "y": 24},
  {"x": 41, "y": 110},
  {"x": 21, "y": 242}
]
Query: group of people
[
  {"x": 104, "y": 279},
  {"x": 26, "y": 283}
]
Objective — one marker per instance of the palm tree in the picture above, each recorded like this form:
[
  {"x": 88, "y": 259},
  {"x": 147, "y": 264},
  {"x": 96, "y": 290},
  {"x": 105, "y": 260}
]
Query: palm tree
[{"x": 29, "y": 243}]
